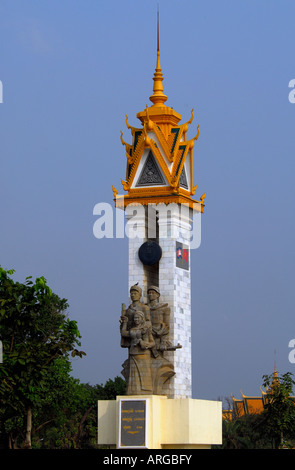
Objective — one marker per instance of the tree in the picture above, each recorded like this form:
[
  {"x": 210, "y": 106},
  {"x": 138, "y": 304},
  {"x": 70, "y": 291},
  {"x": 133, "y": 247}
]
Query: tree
[
  {"x": 35, "y": 331},
  {"x": 279, "y": 411},
  {"x": 111, "y": 389},
  {"x": 232, "y": 437},
  {"x": 63, "y": 417},
  {"x": 67, "y": 416}
]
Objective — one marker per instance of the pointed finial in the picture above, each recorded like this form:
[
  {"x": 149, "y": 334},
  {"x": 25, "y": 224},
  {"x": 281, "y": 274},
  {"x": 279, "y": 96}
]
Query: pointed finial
[
  {"x": 275, "y": 374},
  {"x": 158, "y": 35},
  {"x": 158, "y": 98}
]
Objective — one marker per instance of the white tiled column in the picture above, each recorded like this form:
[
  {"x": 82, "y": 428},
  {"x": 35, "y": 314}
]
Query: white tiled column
[
  {"x": 175, "y": 287},
  {"x": 136, "y": 268}
]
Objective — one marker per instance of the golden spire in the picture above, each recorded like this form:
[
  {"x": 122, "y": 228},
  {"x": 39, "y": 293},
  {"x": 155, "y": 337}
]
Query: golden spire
[
  {"x": 275, "y": 374},
  {"x": 158, "y": 98}
]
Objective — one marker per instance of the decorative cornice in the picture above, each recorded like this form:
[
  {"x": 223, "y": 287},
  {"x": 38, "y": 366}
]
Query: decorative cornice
[{"x": 124, "y": 201}]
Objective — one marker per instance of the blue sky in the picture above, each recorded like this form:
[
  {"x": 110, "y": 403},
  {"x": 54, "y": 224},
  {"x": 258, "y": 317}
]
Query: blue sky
[{"x": 70, "y": 71}]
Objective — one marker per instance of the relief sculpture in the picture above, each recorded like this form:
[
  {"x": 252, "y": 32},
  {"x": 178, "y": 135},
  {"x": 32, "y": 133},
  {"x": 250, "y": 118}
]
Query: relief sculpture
[{"x": 144, "y": 331}]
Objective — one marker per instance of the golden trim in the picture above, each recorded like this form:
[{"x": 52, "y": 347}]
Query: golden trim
[
  {"x": 202, "y": 199},
  {"x": 124, "y": 201}
]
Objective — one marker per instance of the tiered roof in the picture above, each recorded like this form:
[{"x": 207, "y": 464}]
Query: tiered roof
[
  {"x": 251, "y": 404},
  {"x": 160, "y": 158}
]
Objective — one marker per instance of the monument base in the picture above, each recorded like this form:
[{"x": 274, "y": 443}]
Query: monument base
[{"x": 158, "y": 422}]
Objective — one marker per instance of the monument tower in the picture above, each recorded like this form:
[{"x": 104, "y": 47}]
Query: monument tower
[
  {"x": 158, "y": 411},
  {"x": 159, "y": 182}
]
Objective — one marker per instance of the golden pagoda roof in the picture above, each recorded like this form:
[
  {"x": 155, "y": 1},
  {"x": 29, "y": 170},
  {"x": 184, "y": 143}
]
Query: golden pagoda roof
[
  {"x": 254, "y": 404},
  {"x": 164, "y": 140}
]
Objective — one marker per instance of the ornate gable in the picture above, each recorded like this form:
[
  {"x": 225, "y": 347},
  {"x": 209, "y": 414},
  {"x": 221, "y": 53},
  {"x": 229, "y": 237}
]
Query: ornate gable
[{"x": 150, "y": 174}]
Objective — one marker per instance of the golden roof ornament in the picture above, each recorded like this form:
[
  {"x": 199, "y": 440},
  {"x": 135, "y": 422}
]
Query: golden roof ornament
[
  {"x": 158, "y": 98},
  {"x": 160, "y": 159}
]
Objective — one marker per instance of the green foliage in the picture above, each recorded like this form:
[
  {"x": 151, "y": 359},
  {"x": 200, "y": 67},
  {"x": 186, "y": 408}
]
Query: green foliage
[
  {"x": 69, "y": 409},
  {"x": 38, "y": 341},
  {"x": 65, "y": 416},
  {"x": 35, "y": 331},
  {"x": 111, "y": 389},
  {"x": 233, "y": 436},
  {"x": 59, "y": 414},
  {"x": 246, "y": 432},
  {"x": 274, "y": 427},
  {"x": 279, "y": 411}
]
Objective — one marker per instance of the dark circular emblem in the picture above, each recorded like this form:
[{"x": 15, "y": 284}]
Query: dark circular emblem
[{"x": 150, "y": 253}]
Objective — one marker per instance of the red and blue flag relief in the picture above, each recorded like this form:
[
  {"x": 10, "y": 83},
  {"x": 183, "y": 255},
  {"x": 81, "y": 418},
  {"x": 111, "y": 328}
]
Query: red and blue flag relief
[{"x": 182, "y": 256}]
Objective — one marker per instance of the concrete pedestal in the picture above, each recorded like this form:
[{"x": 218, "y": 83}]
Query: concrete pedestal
[{"x": 158, "y": 422}]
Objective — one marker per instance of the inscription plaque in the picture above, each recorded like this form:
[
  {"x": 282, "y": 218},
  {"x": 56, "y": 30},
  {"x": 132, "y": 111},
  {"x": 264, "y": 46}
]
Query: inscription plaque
[{"x": 133, "y": 423}]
